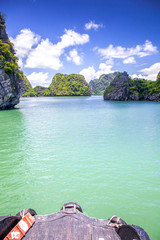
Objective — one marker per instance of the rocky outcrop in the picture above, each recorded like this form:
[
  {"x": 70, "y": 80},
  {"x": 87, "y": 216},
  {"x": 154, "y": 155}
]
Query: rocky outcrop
[
  {"x": 153, "y": 97},
  {"x": 92, "y": 85},
  {"x": 69, "y": 85},
  {"x": 12, "y": 79},
  {"x": 9, "y": 91},
  {"x": 98, "y": 86},
  {"x": 118, "y": 89},
  {"x": 123, "y": 88},
  {"x": 40, "y": 90}
]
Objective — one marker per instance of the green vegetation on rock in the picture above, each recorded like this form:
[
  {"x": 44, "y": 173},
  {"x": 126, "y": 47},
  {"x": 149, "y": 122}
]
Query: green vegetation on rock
[
  {"x": 62, "y": 85},
  {"x": 38, "y": 91},
  {"x": 12, "y": 80},
  {"x": 47, "y": 92},
  {"x": 11, "y": 77},
  {"x": 8, "y": 61},
  {"x": 30, "y": 93},
  {"x": 25, "y": 85},
  {"x": 125, "y": 88},
  {"x": 158, "y": 79},
  {"x": 69, "y": 85}
]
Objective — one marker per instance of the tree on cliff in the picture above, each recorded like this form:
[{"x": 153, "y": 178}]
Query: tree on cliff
[
  {"x": 69, "y": 85},
  {"x": 12, "y": 80},
  {"x": 124, "y": 88}
]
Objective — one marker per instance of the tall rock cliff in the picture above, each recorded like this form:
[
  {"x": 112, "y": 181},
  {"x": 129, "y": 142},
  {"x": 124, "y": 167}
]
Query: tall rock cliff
[
  {"x": 11, "y": 78},
  {"x": 123, "y": 88},
  {"x": 118, "y": 89}
]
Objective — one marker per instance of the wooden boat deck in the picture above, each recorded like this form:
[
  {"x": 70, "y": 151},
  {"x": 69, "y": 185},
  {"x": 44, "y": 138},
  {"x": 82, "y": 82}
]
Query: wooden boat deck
[{"x": 71, "y": 224}]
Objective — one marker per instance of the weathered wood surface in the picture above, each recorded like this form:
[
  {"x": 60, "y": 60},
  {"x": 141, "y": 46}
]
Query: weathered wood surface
[{"x": 70, "y": 225}]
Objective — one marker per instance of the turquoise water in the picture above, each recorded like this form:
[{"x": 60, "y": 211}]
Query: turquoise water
[{"x": 103, "y": 155}]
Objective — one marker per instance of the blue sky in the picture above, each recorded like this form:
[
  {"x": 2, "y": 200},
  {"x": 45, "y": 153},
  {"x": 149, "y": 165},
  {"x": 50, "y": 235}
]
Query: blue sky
[{"x": 84, "y": 36}]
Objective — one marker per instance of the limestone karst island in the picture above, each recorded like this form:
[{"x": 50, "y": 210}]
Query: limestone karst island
[
  {"x": 79, "y": 119},
  {"x": 115, "y": 86}
]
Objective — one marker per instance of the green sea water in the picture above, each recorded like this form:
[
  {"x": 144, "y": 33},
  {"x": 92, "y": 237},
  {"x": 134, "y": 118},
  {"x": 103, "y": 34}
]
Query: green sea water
[{"x": 103, "y": 155}]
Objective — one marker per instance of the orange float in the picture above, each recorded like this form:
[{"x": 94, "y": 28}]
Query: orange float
[{"x": 21, "y": 228}]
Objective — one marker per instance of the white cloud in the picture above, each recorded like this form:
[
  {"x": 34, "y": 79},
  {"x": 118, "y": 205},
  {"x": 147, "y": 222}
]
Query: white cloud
[
  {"x": 92, "y": 25},
  {"x": 138, "y": 76},
  {"x": 90, "y": 73},
  {"x": 47, "y": 54},
  {"x": 148, "y": 47},
  {"x": 103, "y": 69},
  {"x": 20, "y": 62},
  {"x": 74, "y": 57},
  {"x": 151, "y": 72},
  {"x": 24, "y": 42},
  {"x": 39, "y": 78},
  {"x": 129, "y": 60},
  {"x": 122, "y": 52},
  {"x": 110, "y": 61},
  {"x": 72, "y": 38}
]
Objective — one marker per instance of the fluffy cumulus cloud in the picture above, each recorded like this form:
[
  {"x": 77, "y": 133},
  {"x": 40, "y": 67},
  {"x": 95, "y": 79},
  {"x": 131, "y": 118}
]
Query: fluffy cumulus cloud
[
  {"x": 137, "y": 76},
  {"x": 39, "y": 78},
  {"x": 72, "y": 38},
  {"x": 103, "y": 69},
  {"x": 45, "y": 55},
  {"x": 74, "y": 57},
  {"x": 92, "y": 25},
  {"x": 126, "y": 53},
  {"x": 24, "y": 41},
  {"x": 151, "y": 72},
  {"x": 42, "y": 53},
  {"x": 90, "y": 73},
  {"x": 129, "y": 60},
  {"x": 20, "y": 62}
]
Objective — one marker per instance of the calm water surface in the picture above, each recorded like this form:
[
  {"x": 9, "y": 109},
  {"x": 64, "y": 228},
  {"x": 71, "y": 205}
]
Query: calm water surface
[{"x": 103, "y": 155}]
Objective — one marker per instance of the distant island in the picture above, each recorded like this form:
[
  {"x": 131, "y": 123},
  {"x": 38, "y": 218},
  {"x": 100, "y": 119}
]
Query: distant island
[
  {"x": 99, "y": 85},
  {"x": 124, "y": 88},
  {"x": 62, "y": 85},
  {"x": 71, "y": 85},
  {"x": 120, "y": 87},
  {"x": 114, "y": 86}
]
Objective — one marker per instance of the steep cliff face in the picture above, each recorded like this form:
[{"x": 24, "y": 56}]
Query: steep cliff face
[
  {"x": 123, "y": 88},
  {"x": 118, "y": 89},
  {"x": 11, "y": 78},
  {"x": 9, "y": 91},
  {"x": 98, "y": 86}
]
